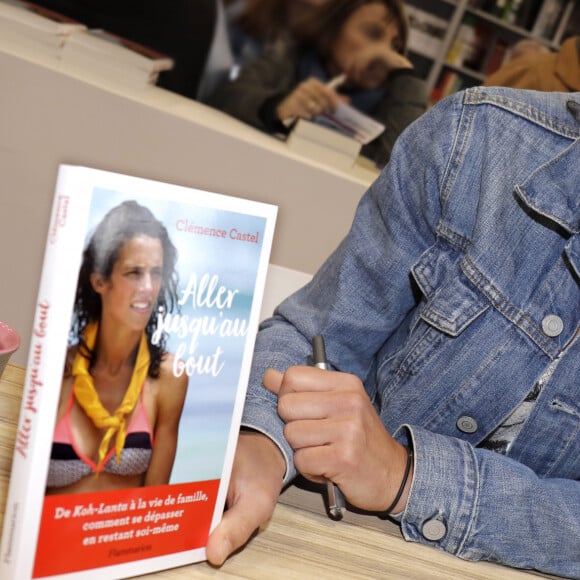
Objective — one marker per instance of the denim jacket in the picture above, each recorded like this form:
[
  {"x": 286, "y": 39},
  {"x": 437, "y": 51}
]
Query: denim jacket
[{"x": 455, "y": 289}]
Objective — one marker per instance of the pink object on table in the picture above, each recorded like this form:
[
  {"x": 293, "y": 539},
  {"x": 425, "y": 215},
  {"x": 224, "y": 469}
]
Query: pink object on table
[{"x": 9, "y": 343}]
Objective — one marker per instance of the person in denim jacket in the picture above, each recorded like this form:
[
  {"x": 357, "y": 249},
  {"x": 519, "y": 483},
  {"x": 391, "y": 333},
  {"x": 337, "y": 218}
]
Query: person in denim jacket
[{"x": 451, "y": 313}]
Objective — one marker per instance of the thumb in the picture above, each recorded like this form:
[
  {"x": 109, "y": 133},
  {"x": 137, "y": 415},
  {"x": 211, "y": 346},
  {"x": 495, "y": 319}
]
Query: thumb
[
  {"x": 272, "y": 380},
  {"x": 234, "y": 530},
  {"x": 219, "y": 546}
]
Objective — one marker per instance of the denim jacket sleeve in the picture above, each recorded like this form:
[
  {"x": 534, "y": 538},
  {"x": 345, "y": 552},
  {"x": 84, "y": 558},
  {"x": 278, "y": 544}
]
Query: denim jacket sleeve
[
  {"x": 463, "y": 501},
  {"x": 346, "y": 299},
  {"x": 471, "y": 502}
]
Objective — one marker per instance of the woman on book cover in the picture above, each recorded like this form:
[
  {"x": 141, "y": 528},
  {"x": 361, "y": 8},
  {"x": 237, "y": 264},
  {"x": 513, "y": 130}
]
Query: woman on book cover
[{"x": 120, "y": 403}]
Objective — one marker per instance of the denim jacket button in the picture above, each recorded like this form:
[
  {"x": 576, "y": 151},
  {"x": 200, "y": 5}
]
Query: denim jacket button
[
  {"x": 467, "y": 424},
  {"x": 552, "y": 325},
  {"x": 433, "y": 530}
]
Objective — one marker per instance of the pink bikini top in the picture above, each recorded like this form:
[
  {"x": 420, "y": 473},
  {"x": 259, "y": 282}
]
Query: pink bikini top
[{"x": 68, "y": 464}]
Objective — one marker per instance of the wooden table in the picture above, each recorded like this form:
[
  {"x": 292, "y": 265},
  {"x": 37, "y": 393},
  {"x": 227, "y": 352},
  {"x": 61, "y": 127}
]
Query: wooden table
[{"x": 299, "y": 542}]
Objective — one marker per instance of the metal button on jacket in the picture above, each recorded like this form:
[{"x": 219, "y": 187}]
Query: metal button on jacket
[
  {"x": 552, "y": 325},
  {"x": 433, "y": 530},
  {"x": 467, "y": 424}
]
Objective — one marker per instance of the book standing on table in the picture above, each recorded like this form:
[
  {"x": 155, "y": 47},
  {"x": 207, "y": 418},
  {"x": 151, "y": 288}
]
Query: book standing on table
[{"x": 142, "y": 340}]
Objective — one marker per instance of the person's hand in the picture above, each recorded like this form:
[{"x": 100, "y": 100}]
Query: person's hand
[
  {"x": 336, "y": 434},
  {"x": 368, "y": 68},
  {"x": 310, "y": 98},
  {"x": 255, "y": 485}
]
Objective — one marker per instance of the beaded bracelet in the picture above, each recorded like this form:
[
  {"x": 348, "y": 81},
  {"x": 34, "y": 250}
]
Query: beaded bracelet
[{"x": 403, "y": 483}]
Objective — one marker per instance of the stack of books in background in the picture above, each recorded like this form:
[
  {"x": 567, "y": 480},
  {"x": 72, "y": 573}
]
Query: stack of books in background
[
  {"x": 26, "y": 26},
  {"x": 71, "y": 46},
  {"x": 335, "y": 138},
  {"x": 110, "y": 57}
]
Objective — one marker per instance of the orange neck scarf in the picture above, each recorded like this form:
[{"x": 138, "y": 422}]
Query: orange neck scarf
[{"x": 88, "y": 398}]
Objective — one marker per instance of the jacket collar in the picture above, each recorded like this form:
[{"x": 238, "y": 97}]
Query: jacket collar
[{"x": 553, "y": 190}]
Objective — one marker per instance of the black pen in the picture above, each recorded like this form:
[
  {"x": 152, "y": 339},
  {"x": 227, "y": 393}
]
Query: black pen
[{"x": 335, "y": 497}]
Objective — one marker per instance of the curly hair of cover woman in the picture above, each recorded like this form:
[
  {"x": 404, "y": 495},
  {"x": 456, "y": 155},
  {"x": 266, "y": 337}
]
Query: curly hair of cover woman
[{"x": 122, "y": 224}]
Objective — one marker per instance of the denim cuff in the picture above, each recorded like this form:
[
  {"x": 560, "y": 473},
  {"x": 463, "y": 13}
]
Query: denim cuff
[
  {"x": 443, "y": 493},
  {"x": 259, "y": 419},
  {"x": 260, "y": 409}
]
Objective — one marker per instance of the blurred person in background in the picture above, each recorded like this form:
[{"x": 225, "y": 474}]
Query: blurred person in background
[
  {"x": 526, "y": 47},
  {"x": 364, "y": 39},
  {"x": 542, "y": 71}
]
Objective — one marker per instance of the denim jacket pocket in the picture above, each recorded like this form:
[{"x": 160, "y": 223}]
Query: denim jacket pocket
[
  {"x": 452, "y": 303},
  {"x": 454, "y": 307}
]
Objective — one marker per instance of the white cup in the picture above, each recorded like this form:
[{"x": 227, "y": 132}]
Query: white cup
[{"x": 9, "y": 343}]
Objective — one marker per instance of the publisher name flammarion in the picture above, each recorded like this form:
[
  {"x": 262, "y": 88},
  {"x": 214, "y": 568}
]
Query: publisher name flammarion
[{"x": 187, "y": 226}]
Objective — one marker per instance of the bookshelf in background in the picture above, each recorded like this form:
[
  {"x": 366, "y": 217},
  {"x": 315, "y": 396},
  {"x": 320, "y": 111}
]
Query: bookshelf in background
[{"x": 455, "y": 44}]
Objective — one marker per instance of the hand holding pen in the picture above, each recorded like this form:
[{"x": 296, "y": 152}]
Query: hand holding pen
[
  {"x": 334, "y": 429},
  {"x": 336, "y": 433},
  {"x": 310, "y": 98}
]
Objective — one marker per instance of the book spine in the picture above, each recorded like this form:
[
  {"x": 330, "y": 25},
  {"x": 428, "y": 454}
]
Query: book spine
[
  {"x": 41, "y": 387},
  {"x": 496, "y": 58},
  {"x": 527, "y": 14},
  {"x": 514, "y": 11},
  {"x": 547, "y": 18},
  {"x": 426, "y": 32}
]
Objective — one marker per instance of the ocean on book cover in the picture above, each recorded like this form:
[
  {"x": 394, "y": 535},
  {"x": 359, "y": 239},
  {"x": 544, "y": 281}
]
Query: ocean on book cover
[{"x": 139, "y": 358}]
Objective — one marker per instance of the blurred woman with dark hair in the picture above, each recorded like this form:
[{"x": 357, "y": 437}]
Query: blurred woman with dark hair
[
  {"x": 364, "y": 39},
  {"x": 120, "y": 402}
]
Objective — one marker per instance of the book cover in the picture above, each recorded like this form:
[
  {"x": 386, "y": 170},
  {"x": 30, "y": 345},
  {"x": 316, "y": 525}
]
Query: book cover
[
  {"x": 353, "y": 123},
  {"x": 139, "y": 358}
]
